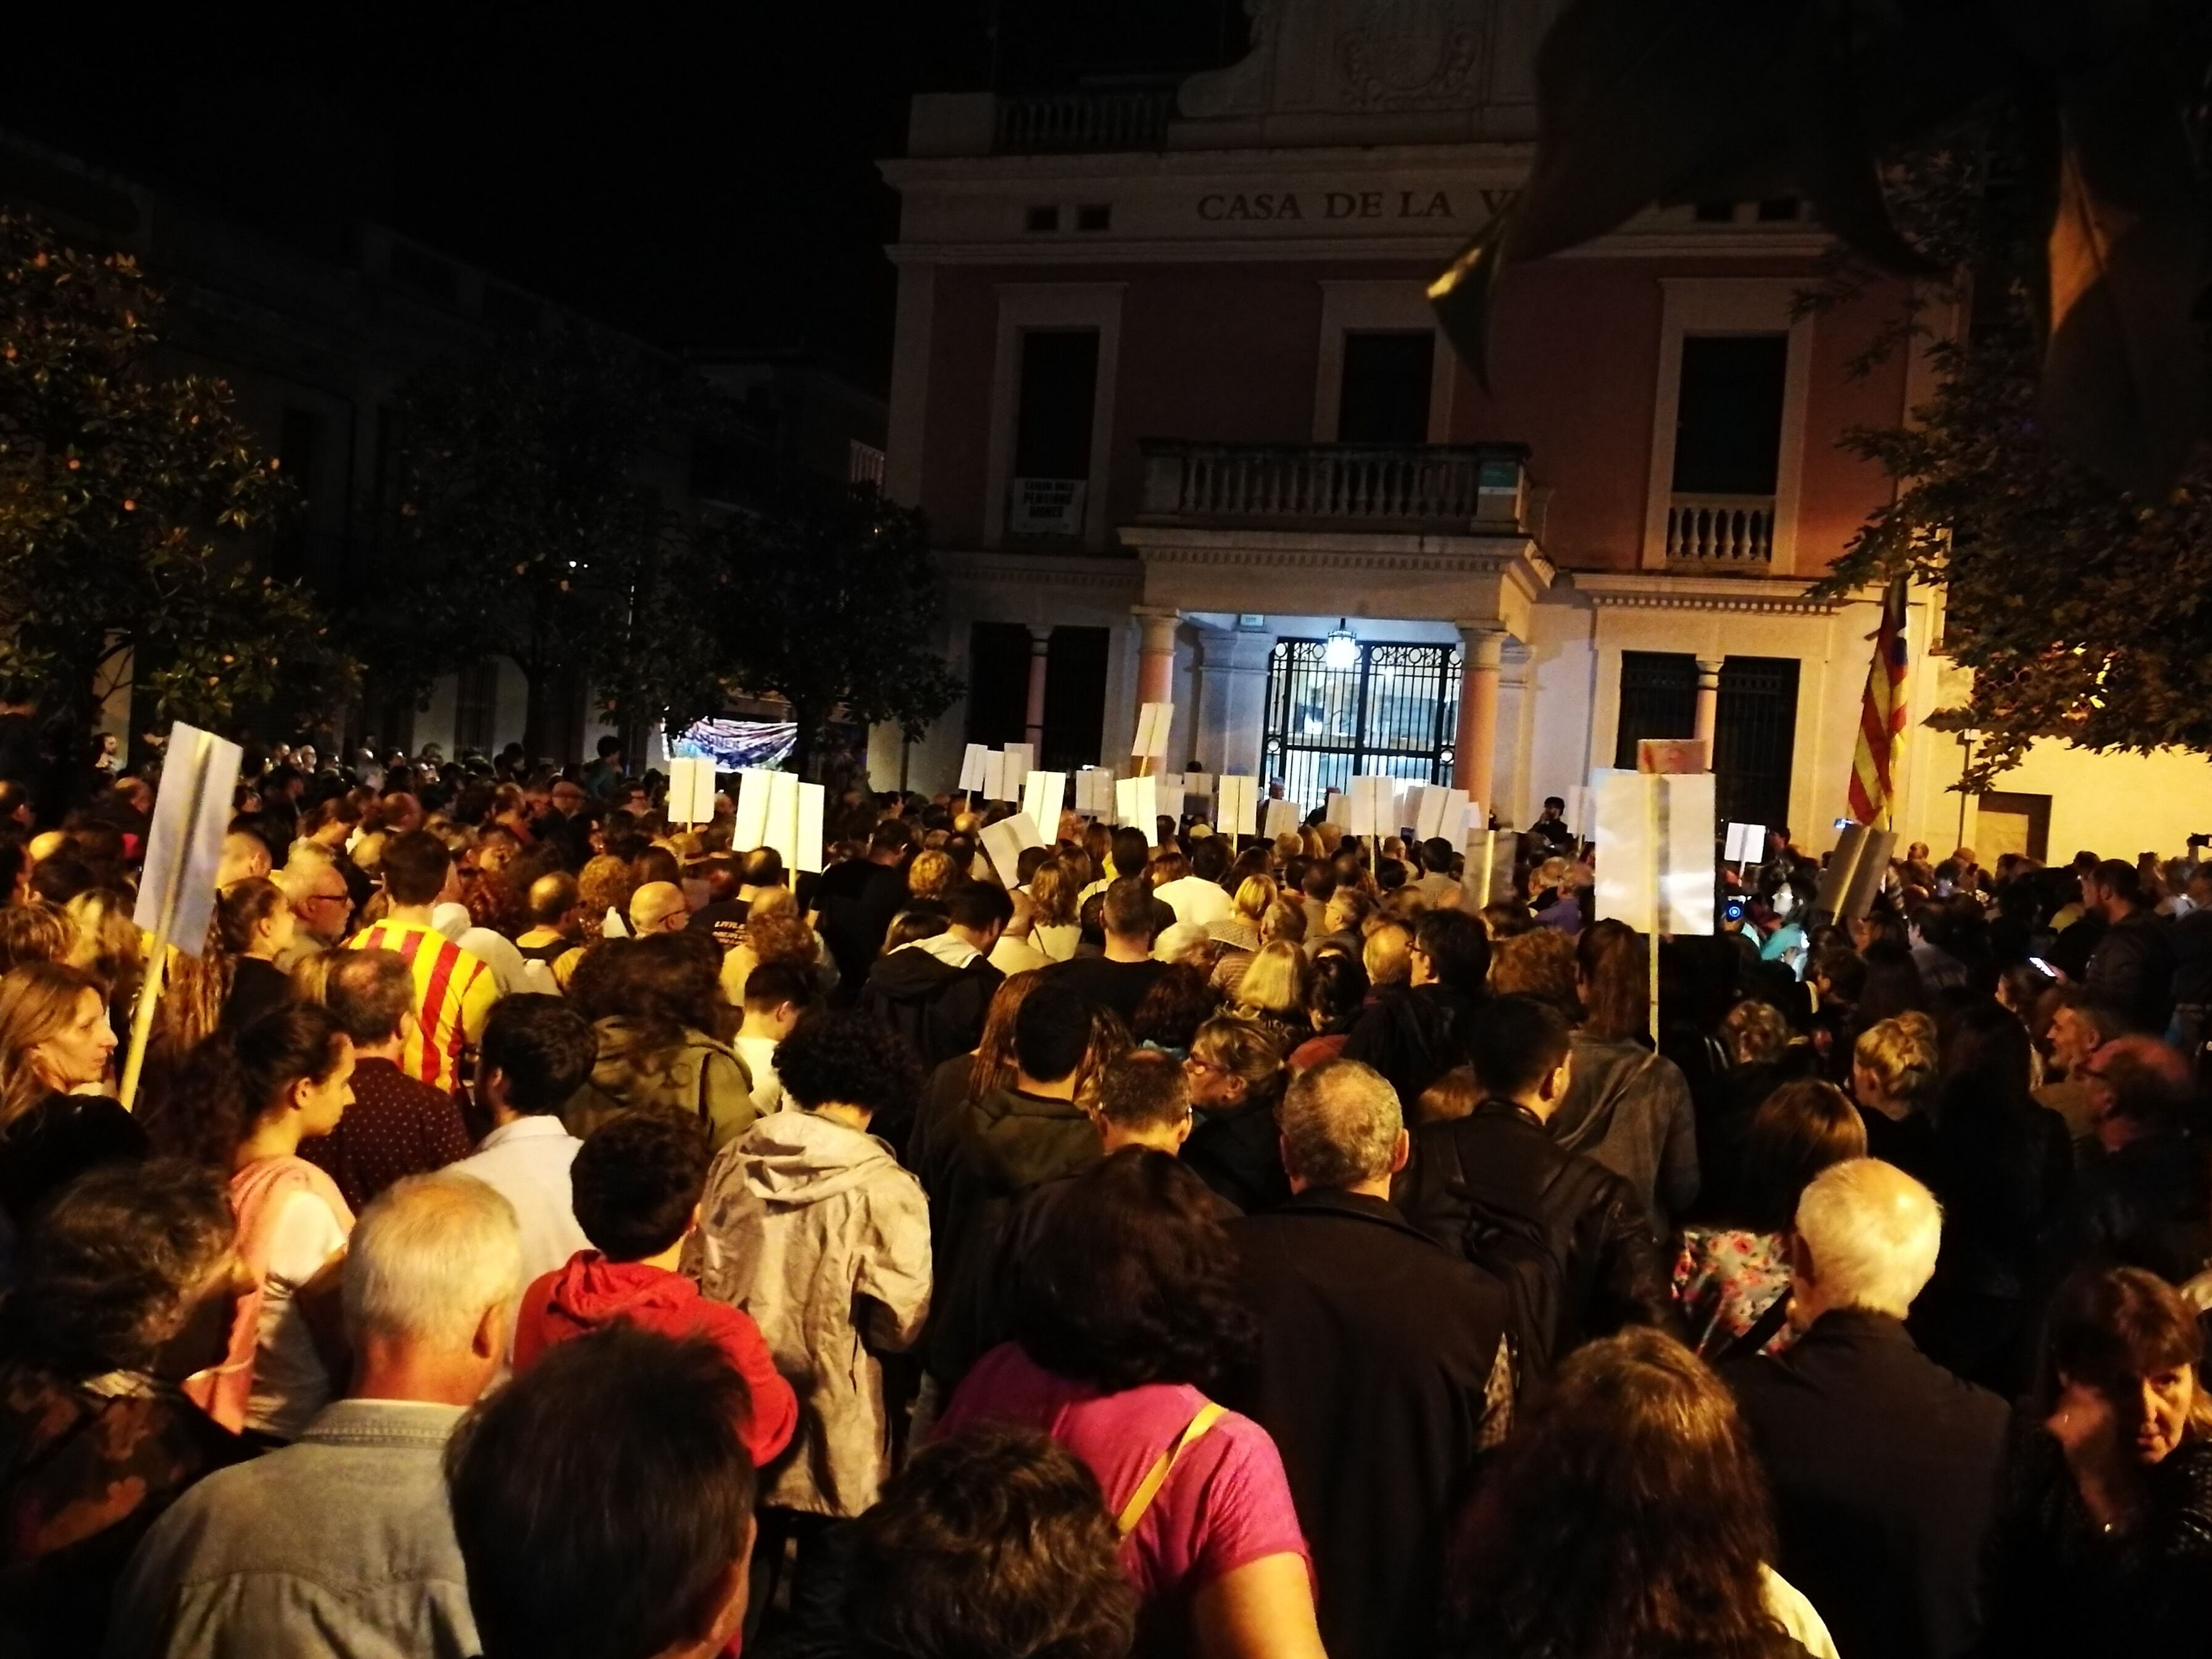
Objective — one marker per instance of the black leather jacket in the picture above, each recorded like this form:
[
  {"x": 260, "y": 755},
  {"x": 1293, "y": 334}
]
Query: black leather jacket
[{"x": 1614, "y": 1275}]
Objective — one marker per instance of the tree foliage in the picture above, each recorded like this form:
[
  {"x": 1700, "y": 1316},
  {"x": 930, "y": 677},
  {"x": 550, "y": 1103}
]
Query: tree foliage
[
  {"x": 2084, "y": 613},
  {"x": 834, "y": 606},
  {"x": 128, "y": 503},
  {"x": 1643, "y": 103},
  {"x": 522, "y": 517}
]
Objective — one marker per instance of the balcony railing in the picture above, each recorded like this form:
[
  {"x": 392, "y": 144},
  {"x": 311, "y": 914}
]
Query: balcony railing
[
  {"x": 1446, "y": 487},
  {"x": 1721, "y": 533},
  {"x": 1098, "y": 118}
]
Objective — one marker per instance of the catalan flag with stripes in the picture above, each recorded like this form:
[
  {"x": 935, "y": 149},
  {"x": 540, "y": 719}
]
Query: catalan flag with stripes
[
  {"x": 454, "y": 991},
  {"x": 1882, "y": 716}
]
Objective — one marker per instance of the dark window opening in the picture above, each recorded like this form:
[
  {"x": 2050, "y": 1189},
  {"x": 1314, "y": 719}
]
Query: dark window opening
[
  {"x": 1097, "y": 215},
  {"x": 1058, "y": 380},
  {"x": 1754, "y": 736},
  {"x": 1778, "y": 209},
  {"x": 1716, "y": 213},
  {"x": 1042, "y": 218},
  {"x": 476, "y": 706},
  {"x": 1658, "y": 699},
  {"x": 1384, "y": 397},
  {"x": 998, "y": 682},
  {"x": 1728, "y": 425},
  {"x": 1074, "y": 701}
]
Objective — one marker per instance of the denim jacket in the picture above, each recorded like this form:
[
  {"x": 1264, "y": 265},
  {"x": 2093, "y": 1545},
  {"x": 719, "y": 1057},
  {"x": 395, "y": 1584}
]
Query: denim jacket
[{"x": 340, "y": 1544}]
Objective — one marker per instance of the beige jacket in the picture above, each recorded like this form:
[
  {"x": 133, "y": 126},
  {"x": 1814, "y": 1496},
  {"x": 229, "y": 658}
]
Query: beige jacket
[{"x": 815, "y": 1231}]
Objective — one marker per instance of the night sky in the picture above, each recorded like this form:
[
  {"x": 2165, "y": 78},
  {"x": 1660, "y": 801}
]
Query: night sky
[{"x": 699, "y": 179}]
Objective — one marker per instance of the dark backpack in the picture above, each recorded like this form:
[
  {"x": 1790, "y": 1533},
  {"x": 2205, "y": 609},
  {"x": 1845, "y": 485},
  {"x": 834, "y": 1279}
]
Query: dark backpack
[{"x": 1529, "y": 1259}]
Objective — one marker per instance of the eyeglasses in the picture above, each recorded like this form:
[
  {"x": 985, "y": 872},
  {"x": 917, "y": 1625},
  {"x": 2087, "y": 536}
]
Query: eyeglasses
[{"x": 1195, "y": 1063}]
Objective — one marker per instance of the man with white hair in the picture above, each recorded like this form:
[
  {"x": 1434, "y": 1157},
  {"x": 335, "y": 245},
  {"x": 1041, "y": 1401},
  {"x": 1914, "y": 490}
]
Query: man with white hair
[
  {"x": 1383, "y": 1370},
  {"x": 1884, "y": 1465},
  {"x": 341, "y": 1543}
]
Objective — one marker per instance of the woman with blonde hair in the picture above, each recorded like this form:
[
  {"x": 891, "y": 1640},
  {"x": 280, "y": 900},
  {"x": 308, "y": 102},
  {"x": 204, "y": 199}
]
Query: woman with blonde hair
[
  {"x": 1893, "y": 1069},
  {"x": 776, "y": 931},
  {"x": 1271, "y": 993},
  {"x": 55, "y": 1041},
  {"x": 1057, "y": 929},
  {"x": 1238, "y": 933},
  {"x": 930, "y": 875}
]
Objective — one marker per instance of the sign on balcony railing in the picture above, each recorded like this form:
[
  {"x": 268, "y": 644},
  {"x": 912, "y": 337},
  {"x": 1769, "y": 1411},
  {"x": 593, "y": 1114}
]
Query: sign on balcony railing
[
  {"x": 1443, "y": 486},
  {"x": 1047, "y": 507},
  {"x": 1734, "y": 532}
]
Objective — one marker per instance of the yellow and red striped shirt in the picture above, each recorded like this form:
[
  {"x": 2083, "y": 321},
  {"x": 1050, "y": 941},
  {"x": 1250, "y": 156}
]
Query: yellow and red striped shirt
[{"x": 454, "y": 994}]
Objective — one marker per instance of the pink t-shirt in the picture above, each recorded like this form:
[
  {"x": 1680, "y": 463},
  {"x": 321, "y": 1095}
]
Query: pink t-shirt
[{"x": 1227, "y": 1504}]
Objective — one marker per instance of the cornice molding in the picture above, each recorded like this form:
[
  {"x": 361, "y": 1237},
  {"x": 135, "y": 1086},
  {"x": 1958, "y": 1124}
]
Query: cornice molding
[
  {"x": 1794, "y": 242},
  {"x": 1289, "y": 551},
  {"x": 1043, "y": 570},
  {"x": 1657, "y": 591}
]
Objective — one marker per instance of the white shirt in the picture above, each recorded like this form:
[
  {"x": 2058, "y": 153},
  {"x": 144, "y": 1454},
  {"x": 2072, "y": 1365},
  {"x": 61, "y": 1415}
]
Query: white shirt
[
  {"x": 1195, "y": 900},
  {"x": 526, "y": 1163},
  {"x": 759, "y": 1054},
  {"x": 290, "y": 1384}
]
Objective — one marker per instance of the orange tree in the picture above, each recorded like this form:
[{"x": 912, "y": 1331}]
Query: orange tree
[{"x": 130, "y": 503}]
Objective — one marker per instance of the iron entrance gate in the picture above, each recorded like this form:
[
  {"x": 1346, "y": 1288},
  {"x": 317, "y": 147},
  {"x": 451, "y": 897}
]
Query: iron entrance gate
[{"x": 1393, "y": 709}]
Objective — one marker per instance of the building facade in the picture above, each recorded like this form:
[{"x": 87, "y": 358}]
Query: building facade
[{"x": 1167, "y": 386}]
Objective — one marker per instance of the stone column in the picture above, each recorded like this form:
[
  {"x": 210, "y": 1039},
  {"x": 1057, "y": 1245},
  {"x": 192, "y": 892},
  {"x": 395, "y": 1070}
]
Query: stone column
[
  {"x": 1040, "y": 658},
  {"x": 1477, "y": 746},
  {"x": 1156, "y": 656},
  {"x": 1231, "y": 698},
  {"x": 1709, "y": 705}
]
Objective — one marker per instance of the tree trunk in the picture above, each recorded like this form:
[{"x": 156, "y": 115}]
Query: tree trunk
[{"x": 806, "y": 746}]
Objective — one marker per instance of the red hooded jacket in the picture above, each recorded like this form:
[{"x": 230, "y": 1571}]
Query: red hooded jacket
[{"x": 591, "y": 1291}]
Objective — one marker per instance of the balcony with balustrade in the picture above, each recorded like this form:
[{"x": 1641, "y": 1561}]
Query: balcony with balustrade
[
  {"x": 1716, "y": 534},
  {"x": 1466, "y": 489}
]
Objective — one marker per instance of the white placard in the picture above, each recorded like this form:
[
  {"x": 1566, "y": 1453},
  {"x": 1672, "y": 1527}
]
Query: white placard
[
  {"x": 1137, "y": 804},
  {"x": 1021, "y": 761},
  {"x": 1170, "y": 797},
  {"x": 1440, "y": 814},
  {"x": 690, "y": 790},
  {"x": 1284, "y": 818},
  {"x": 1237, "y": 807},
  {"x": 1371, "y": 802},
  {"x": 1042, "y": 793},
  {"x": 1200, "y": 783},
  {"x": 1004, "y": 843},
  {"x": 1094, "y": 793},
  {"x": 750, "y": 830},
  {"x": 1632, "y": 806},
  {"x": 1746, "y": 843},
  {"x": 1153, "y": 721},
  {"x": 184, "y": 849},
  {"x": 1332, "y": 810},
  {"x": 782, "y": 831},
  {"x": 971, "y": 768},
  {"x": 994, "y": 784}
]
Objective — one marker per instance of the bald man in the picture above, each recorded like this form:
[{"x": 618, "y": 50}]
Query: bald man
[{"x": 658, "y": 906}]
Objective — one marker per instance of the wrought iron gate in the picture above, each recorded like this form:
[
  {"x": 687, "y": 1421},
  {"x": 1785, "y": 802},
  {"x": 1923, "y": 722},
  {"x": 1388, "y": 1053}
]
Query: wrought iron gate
[
  {"x": 1394, "y": 709},
  {"x": 1754, "y": 738}
]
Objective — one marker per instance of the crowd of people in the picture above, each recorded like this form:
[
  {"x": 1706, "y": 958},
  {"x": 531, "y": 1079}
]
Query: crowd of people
[{"x": 544, "y": 1228}]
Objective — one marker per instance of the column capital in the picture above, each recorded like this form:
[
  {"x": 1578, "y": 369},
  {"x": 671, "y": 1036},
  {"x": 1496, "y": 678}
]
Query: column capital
[
  {"x": 1484, "y": 642},
  {"x": 1709, "y": 671},
  {"x": 1040, "y": 638},
  {"x": 1159, "y": 628}
]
